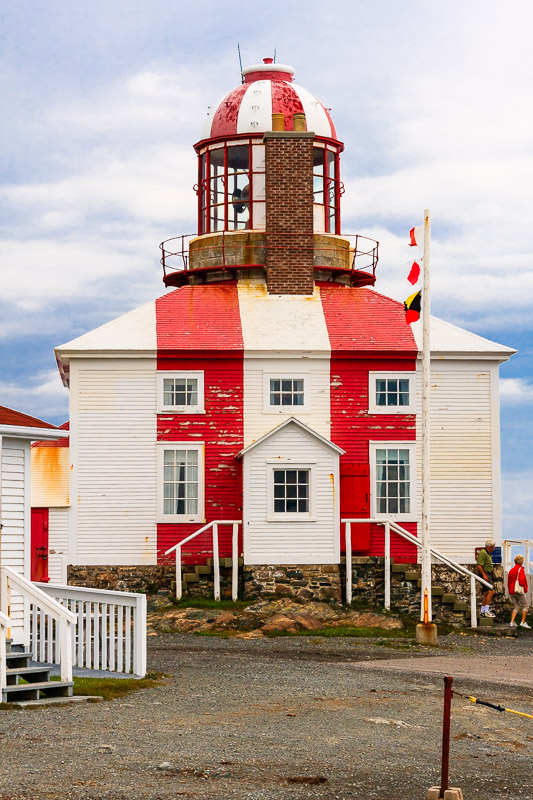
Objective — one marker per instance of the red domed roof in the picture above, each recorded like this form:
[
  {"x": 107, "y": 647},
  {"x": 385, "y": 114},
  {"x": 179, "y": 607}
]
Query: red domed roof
[{"x": 267, "y": 89}]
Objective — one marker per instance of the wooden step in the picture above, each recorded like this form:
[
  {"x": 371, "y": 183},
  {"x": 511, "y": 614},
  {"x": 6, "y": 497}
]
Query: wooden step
[
  {"x": 29, "y": 674},
  {"x": 437, "y": 591},
  {"x": 191, "y": 577},
  {"x": 460, "y": 605},
  {"x": 449, "y": 598},
  {"x": 411, "y": 575},
  {"x": 485, "y": 622},
  {"x": 200, "y": 570},
  {"x": 400, "y": 567},
  {"x": 14, "y": 660},
  {"x": 36, "y": 691}
]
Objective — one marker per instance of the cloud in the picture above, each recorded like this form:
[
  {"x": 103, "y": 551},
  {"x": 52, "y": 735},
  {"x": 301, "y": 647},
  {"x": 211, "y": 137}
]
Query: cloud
[
  {"x": 517, "y": 504},
  {"x": 516, "y": 391},
  {"x": 45, "y": 397}
]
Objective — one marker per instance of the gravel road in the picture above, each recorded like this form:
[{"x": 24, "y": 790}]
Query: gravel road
[{"x": 298, "y": 717}]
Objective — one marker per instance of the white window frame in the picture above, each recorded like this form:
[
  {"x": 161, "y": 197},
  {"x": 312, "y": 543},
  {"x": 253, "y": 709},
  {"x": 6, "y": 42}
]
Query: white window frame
[
  {"x": 199, "y": 408},
  {"x": 373, "y": 408},
  {"x": 411, "y": 446},
  {"x": 170, "y": 518},
  {"x": 291, "y": 410},
  {"x": 296, "y": 516}
]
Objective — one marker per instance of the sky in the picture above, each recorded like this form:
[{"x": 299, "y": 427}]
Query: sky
[{"x": 101, "y": 105}]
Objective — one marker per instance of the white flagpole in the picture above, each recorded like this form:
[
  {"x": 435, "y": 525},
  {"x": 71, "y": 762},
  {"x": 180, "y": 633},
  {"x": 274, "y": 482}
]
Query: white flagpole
[{"x": 426, "y": 419}]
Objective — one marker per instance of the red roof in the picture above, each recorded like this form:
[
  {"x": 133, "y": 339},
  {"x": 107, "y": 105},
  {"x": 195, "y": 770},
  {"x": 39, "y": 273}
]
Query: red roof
[
  {"x": 362, "y": 320},
  {"x": 10, "y": 417},
  {"x": 199, "y": 318},
  {"x": 55, "y": 442}
]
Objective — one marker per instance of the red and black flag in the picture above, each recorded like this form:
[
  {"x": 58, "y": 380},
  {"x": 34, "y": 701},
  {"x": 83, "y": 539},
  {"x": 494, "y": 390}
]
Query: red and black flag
[{"x": 412, "y": 307}]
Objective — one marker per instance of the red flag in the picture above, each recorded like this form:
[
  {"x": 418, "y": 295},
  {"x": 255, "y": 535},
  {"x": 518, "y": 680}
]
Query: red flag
[
  {"x": 416, "y": 236},
  {"x": 414, "y": 274}
]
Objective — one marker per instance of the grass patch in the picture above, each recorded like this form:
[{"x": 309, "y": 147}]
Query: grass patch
[
  {"x": 111, "y": 688},
  {"x": 207, "y": 602}
]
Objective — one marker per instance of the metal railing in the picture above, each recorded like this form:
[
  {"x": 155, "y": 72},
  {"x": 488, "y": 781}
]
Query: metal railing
[
  {"x": 389, "y": 525},
  {"x": 362, "y": 253},
  {"x": 216, "y": 556},
  {"x": 109, "y": 631},
  {"x": 58, "y": 621}
]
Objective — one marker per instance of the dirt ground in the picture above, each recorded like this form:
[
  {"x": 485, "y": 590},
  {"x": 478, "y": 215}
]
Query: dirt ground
[{"x": 287, "y": 717}]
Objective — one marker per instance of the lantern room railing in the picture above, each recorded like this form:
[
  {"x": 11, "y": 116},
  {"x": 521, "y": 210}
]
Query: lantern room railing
[{"x": 349, "y": 253}]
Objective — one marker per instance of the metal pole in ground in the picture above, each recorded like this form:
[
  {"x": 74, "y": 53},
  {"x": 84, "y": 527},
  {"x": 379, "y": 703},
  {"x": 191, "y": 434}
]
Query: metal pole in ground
[{"x": 443, "y": 791}]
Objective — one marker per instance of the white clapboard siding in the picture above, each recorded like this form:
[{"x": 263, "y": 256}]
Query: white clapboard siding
[
  {"x": 58, "y": 544},
  {"x": 15, "y": 521},
  {"x": 464, "y": 457},
  {"x": 292, "y": 542},
  {"x": 259, "y": 420},
  {"x": 113, "y": 452}
]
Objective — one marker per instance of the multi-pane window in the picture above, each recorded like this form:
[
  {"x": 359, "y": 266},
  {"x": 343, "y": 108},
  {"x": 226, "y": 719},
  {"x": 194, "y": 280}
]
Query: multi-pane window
[
  {"x": 286, "y": 391},
  {"x": 392, "y": 392},
  {"x": 180, "y": 482},
  {"x": 291, "y": 491},
  {"x": 180, "y": 391},
  {"x": 393, "y": 480},
  {"x": 326, "y": 189}
]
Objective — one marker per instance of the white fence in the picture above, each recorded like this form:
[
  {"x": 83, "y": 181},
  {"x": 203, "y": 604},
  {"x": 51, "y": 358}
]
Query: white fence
[{"x": 109, "y": 632}]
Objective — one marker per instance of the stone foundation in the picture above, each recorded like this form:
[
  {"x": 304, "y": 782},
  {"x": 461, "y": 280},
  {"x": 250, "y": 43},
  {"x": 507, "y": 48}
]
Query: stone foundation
[
  {"x": 305, "y": 582},
  {"x": 451, "y": 596}
]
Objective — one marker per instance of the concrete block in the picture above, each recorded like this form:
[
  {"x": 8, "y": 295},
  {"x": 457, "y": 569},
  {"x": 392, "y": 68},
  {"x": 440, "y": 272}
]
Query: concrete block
[
  {"x": 450, "y": 794},
  {"x": 460, "y": 605},
  {"x": 485, "y": 622},
  {"x": 426, "y": 634},
  {"x": 411, "y": 575},
  {"x": 437, "y": 591},
  {"x": 201, "y": 570},
  {"x": 400, "y": 567},
  {"x": 191, "y": 577}
]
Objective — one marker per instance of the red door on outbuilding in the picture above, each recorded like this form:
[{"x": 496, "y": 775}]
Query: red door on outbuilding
[
  {"x": 355, "y": 503},
  {"x": 39, "y": 545}
]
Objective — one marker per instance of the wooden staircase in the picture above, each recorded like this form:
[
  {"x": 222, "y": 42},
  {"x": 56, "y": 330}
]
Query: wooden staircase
[{"x": 30, "y": 683}]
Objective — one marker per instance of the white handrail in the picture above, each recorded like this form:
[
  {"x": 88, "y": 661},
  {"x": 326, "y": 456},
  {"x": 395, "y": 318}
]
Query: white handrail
[
  {"x": 5, "y": 624},
  {"x": 216, "y": 556},
  {"x": 64, "y": 618},
  {"x": 388, "y": 524}
]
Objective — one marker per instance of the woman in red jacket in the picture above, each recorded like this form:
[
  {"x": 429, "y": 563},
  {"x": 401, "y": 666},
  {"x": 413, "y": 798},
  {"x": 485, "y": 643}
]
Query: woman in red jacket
[{"x": 517, "y": 583}]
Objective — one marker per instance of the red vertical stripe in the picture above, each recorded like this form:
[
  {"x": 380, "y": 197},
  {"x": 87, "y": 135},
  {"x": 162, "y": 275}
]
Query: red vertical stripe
[{"x": 286, "y": 101}]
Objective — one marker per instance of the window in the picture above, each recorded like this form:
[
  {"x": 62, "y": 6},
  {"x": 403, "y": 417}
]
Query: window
[
  {"x": 327, "y": 188},
  {"x": 231, "y": 187},
  {"x": 391, "y": 393},
  {"x": 285, "y": 393},
  {"x": 393, "y": 479},
  {"x": 290, "y": 491},
  {"x": 181, "y": 392},
  {"x": 180, "y": 482}
]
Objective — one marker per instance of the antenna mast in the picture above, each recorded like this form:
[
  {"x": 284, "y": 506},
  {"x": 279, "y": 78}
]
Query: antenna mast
[{"x": 240, "y": 60}]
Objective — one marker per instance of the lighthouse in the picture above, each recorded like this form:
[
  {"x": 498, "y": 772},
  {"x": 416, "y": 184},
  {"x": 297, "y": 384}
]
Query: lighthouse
[
  {"x": 269, "y": 193},
  {"x": 272, "y": 392}
]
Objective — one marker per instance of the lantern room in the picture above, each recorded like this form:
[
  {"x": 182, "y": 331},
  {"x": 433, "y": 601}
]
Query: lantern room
[
  {"x": 269, "y": 193},
  {"x": 231, "y": 173}
]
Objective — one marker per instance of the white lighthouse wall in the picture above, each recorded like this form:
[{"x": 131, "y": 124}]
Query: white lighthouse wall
[
  {"x": 113, "y": 457},
  {"x": 15, "y": 506},
  {"x": 465, "y": 455},
  {"x": 313, "y": 541}
]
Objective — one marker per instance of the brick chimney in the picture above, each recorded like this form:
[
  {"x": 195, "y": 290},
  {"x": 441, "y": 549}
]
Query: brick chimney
[{"x": 289, "y": 209}]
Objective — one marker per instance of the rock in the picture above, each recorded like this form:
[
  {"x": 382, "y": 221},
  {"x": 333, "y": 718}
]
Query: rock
[
  {"x": 165, "y": 765},
  {"x": 225, "y": 618},
  {"x": 307, "y": 622},
  {"x": 280, "y": 623},
  {"x": 256, "y": 634},
  {"x": 106, "y": 748}
]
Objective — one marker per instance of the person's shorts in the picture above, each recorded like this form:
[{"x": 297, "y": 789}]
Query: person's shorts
[
  {"x": 490, "y": 579},
  {"x": 519, "y": 601}
]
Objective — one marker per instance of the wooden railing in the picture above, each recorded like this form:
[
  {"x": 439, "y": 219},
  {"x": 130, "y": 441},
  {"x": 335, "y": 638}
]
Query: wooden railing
[
  {"x": 216, "y": 556},
  {"x": 57, "y": 621},
  {"x": 109, "y": 631},
  {"x": 5, "y": 624},
  {"x": 389, "y": 525}
]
